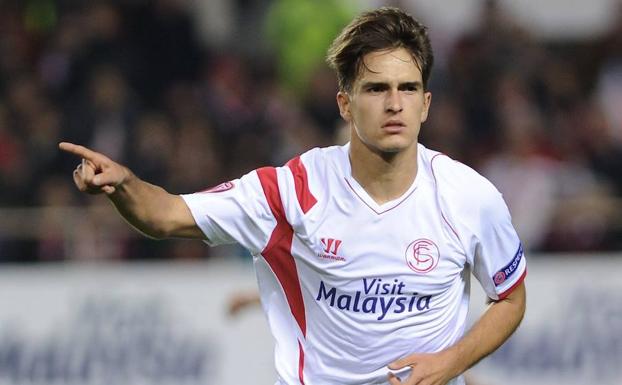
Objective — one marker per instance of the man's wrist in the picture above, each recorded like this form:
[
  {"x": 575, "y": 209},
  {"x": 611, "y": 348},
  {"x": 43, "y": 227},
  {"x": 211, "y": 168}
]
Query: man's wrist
[
  {"x": 121, "y": 188},
  {"x": 129, "y": 176},
  {"x": 456, "y": 361}
]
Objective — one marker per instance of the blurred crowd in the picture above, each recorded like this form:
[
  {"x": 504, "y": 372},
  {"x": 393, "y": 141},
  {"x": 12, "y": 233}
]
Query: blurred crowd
[{"x": 133, "y": 79}]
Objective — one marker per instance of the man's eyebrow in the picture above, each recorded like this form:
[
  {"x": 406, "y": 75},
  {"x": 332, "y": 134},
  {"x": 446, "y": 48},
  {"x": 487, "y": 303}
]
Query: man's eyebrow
[
  {"x": 374, "y": 84},
  {"x": 416, "y": 84}
]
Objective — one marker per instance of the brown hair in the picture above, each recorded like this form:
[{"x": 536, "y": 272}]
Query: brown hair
[{"x": 378, "y": 30}]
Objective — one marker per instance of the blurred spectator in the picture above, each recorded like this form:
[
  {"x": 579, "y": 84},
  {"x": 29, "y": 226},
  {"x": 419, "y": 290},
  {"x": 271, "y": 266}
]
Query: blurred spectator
[
  {"x": 54, "y": 192},
  {"x": 319, "y": 100},
  {"x": 164, "y": 46},
  {"x": 196, "y": 157},
  {"x": 480, "y": 58},
  {"x": 153, "y": 150},
  {"x": 609, "y": 83},
  {"x": 536, "y": 186},
  {"x": 14, "y": 163}
]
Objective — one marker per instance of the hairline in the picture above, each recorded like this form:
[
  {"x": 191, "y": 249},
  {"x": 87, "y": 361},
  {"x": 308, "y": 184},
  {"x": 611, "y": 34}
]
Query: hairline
[{"x": 361, "y": 66}]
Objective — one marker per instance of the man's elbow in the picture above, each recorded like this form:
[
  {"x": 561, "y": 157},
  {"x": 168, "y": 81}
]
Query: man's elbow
[
  {"x": 155, "y": 234},
  {"x": 156, "y": 230},
  {"x": 518, "y": 299},
  {"x": 173, "y": 229}
]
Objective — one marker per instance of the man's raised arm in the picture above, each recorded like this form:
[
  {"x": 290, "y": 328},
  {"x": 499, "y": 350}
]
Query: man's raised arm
[{"x": 149, "y": 208}]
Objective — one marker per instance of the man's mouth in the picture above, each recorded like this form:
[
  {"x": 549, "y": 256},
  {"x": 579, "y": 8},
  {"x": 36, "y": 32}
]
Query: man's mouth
[{"x": 393, "y": 125}]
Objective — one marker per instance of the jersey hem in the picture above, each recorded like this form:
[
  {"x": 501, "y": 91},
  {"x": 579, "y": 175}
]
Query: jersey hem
[
  {"x": 190, "y": 203},
  {"x": 508, "y": 291}
]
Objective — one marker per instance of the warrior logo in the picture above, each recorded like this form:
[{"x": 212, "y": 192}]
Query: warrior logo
[
  {"x": 422, "y": 255},
  {"x": 330, "y": 248}
]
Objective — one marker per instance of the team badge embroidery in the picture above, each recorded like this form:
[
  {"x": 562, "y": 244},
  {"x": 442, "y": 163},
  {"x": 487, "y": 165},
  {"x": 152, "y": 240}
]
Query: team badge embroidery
[
  {"x": 422, "y": 255},
  {"x": 499, "y": 278},
  {"x": 226, "y": 186}
]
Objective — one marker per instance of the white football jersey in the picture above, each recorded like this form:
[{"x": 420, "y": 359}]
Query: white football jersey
[{"x": 349, "y": 285}]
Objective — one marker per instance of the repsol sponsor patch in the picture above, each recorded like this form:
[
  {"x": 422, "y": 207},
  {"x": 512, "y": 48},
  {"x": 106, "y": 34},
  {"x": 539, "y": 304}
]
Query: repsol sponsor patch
[{"x": 506, "y": 271}]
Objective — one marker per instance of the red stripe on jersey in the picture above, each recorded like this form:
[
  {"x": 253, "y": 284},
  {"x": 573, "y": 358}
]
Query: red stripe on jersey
[
  {"x": 301, "y": 181},
  {"x": 301, "y": 363},
  {"x": 278, "y": 251},
  {"x": 514, "y": 286}
]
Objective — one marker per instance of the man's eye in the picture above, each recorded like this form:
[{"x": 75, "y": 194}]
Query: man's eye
[{"x": 374, "y": 89}]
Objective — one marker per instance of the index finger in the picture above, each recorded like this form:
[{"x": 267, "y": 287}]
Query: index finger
[{"x": 81, "y": 151}]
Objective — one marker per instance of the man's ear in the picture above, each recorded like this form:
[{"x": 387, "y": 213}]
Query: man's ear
[
  {"x": 427, "y": 100},
  {"x": 343, "y": 101}
]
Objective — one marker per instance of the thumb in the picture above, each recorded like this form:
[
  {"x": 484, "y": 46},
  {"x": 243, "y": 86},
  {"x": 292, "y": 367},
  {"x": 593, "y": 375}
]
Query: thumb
[
  {"x": 103, "y": 179},
  {"x": 112, "y": 176},
  {"x": 108, "y": 189},
  {"x": 107, "y": 178},
  {"x": 404, "y": 362}
]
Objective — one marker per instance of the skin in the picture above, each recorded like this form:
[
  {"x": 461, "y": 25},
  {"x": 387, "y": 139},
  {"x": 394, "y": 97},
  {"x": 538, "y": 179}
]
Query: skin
[
  {"x": 148, "y": 208},
  {"x": 384, "y": 110},
  {"x": 492, "y": 329}
]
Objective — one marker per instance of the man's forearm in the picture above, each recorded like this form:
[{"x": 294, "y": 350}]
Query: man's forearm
[
  {"x": 148, "y": 208},
  {"x": 493, "y": 328}
]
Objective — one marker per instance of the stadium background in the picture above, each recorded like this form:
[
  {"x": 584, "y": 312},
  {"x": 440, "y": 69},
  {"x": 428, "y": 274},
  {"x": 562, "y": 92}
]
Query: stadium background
[{"x": 193, "y": 93}]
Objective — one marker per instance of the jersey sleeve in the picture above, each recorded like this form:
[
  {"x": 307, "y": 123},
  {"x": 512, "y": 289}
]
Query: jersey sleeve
[
  {"x": 235, "y": 211},
  {"x": 496, "y": 252},
  {"x": 483, "y": 226}
]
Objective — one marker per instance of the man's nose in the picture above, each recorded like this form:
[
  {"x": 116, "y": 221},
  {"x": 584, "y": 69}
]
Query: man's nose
[{"x": 394, "y": 101}]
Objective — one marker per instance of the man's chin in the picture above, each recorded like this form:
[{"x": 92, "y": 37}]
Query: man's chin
[
  {"x": 389, "y": 146},
  {"x": 394, "y": 146},
  {"x": 390, "y": 150}
]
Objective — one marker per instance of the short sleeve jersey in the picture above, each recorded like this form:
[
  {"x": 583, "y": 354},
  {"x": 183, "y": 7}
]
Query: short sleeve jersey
[{"x": 349, "y": 285}]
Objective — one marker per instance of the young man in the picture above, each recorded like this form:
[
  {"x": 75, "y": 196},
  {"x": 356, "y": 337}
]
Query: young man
[{"x": 363, "y": 252}]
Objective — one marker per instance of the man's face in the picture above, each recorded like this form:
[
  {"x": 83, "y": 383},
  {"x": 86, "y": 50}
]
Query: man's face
[{"x": 387, "y": 103}]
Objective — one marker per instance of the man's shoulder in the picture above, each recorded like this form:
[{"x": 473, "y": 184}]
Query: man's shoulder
[
  {"x": 457, "y": 183},
  {"x": 323, "y": 154},
  {"x": 308, "y": 177},
  {"x": 320, "y": 160}
]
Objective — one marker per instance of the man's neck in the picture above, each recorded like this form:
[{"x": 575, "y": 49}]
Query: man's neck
[{"x": 384, "y": 176}]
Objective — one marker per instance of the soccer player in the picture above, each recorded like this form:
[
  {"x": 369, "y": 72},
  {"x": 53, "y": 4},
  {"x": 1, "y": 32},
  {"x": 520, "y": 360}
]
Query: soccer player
[{"x": 363, "y": 252}]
